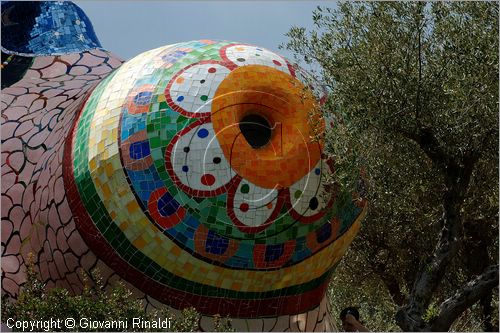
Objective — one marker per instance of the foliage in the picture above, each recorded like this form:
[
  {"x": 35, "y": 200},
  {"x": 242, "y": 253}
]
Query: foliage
[
  {"x": 374, "y": 304},
  {"x": 431, "y": 313},
  {"x": 117, "y": 303},
  {"x": 414, "y": 99},
  {"x": 222, "y": 324}
]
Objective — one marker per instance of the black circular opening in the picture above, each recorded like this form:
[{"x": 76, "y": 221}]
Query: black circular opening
[{"x": 256, "y": 130}]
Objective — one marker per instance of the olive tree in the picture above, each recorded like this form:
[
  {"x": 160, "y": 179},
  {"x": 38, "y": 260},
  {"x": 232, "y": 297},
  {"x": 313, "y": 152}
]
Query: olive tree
[{"x": 414, "y": 100}]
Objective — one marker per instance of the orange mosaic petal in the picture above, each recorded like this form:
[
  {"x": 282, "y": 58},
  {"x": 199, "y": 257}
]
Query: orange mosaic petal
[{"x": 284, "y": 103}]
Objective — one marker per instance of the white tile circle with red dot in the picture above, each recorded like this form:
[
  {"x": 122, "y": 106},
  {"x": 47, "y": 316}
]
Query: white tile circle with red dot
[
  {"x": 198, "y": 161},
  {"x": 253, "y": 205}
]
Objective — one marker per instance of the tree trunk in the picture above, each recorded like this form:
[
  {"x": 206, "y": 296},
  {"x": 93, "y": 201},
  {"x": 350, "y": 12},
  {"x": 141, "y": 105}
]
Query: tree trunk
[
  {"x": 464, "y": 298},
  {"x": 456, "y": 175}
]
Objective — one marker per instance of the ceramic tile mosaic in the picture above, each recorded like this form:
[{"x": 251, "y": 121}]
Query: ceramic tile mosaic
[
  {"x": 48, "y": 28},
  {"x": 150, "y": 171},
  {"x": 164, "y": 132}
]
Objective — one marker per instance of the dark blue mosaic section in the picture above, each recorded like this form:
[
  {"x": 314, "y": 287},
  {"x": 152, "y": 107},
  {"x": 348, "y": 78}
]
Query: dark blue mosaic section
[
  {"x": 216, "y": 244},
  {"x": 167, "y": 205},
  {"x": 38, "y": 28},
  {"x": 139, "y": 150},
  {"x": 323, "y": 233},
  {"x": 145, "y": 182},
  {"x": 274, "y": 252}
]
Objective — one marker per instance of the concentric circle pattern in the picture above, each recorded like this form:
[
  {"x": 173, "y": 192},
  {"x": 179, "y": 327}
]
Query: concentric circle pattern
[{"x": 169, "y": 192}]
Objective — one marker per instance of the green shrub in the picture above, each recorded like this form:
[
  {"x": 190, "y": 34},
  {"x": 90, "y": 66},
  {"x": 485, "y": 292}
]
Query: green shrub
[{"x": 116, "y": 304}]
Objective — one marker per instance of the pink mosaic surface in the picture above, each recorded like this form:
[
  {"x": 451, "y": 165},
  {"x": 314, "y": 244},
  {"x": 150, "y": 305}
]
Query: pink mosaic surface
[{"x": 37, "y": 114}]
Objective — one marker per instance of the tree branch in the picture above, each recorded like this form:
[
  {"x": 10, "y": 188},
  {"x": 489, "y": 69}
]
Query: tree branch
[
  {"x": 419, "y": 83},
  {"x": 488, "y": 312},
  {"x": 393, "y": 287},
  {"x": 356, "y": 60},
  {"x": 409, "y": 318},
  {"x": 457, "y": 178},
  {"x": 430, "y": 145},
  {"x": 464, "y": 298}
]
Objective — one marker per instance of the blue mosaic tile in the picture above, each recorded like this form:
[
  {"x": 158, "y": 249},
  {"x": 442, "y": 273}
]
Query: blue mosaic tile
[{"x": 45, "y": 28}]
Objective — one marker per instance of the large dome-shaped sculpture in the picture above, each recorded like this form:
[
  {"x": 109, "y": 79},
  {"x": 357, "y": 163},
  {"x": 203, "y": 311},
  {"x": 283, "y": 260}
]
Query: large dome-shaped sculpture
[{"x": 193, "y": 172}]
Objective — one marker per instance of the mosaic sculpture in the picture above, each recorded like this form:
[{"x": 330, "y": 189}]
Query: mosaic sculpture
[{"x": 191, "y": 171}]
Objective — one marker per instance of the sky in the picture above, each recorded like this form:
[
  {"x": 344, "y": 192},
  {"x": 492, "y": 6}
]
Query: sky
[{"x": 128, "y": 28}]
